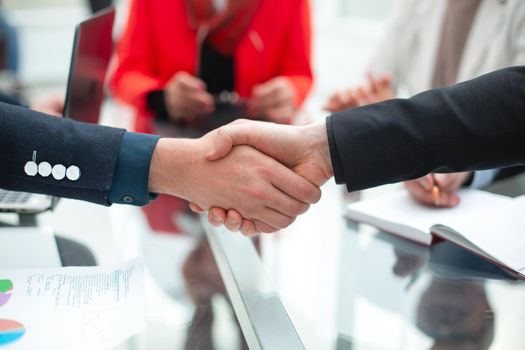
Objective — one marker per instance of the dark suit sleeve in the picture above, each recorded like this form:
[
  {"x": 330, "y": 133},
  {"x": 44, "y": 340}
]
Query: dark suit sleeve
[
  {"x": 93, "y": 149},
  {"x": 475, "y": 125}
]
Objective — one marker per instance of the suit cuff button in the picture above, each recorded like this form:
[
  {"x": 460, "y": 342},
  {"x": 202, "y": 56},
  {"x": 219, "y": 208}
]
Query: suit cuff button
[{"x": 128, "y": 199}]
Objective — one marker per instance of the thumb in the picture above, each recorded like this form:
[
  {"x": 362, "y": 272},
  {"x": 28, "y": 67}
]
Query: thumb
[
  {"x": 195, "y": 208},
  {"x": 225, "y": 137},
  {"x": 443, "y": 180},
  {"x": 222, "y": 145}
]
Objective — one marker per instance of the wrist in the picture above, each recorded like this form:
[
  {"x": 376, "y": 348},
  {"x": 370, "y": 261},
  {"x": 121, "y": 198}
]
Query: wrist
[
  {"x": 318, "y": 142},
  {"x": 171, "y": 166}
]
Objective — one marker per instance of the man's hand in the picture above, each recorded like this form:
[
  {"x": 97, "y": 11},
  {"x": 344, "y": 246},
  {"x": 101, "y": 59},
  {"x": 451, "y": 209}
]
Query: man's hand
[
  {"x": 259, "y": 188},
  {"x": 304, "y": 149},
  {"x": 375, "y": 90},
  {"x": 186, "y": 97},
  {"x": 273, "y": 100},
  {"x": 421, "y": 189}
]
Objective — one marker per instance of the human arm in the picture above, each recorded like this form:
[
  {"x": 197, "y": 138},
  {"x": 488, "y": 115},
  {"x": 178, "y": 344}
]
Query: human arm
[
  {"x": 279, "y": 98},
  {"x": 482, "y": 126},
  {"x": 248, "y": 181},
  {"x": 255, "y": 185}
]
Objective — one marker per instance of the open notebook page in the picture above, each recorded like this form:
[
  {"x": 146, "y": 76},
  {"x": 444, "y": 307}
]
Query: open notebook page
[
  {"x": 398, "y": 213},
  {"x": 499, "y": 234}
]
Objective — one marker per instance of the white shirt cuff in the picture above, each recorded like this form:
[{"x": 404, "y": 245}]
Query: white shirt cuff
[{"x": 483, "y": 178}]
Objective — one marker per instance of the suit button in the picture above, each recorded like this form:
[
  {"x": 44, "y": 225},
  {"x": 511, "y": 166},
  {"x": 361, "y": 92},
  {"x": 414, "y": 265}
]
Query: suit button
[
  {"x": 128, "y": 199},
  {"x": 59, "y": 172},
  {"x": 44, "y": 169},
  {"x": 73, "y": 173},
  {"x": 31, "y": 168}
]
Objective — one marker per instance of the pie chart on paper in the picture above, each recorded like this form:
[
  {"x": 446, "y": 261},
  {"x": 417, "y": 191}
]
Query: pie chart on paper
[
  {"x": 10, "y": 331},
  {"x": 6, "y": 288}
]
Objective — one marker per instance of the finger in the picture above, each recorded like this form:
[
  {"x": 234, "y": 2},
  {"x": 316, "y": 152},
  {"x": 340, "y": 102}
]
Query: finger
[
  {"x": 262, "y": 89},
  {"x": 374, "y": 84},
  {"x": 358, "y": 96},
  {"x": 263, "y": 227},
  {"x": 199, "y": 102},
  {"x": 348, "y": 100},
  {"x": 272, "y": 94},
  {"x": 216, "y": 216},
  {"x": 281, "y": 115},
  {"x": 333, "y": 103},
  {"x": 446, "y": 199},
  {"x": 233, "y": 220},
  {"x": 224, "y": 138},
  {"x": 263, "y": 101},
  {"x": 419, "y": 193},
  {"x": 368, "y": 96},
  {"x": 286, "y": 205},
  {"x": 276, "y": 99},
  {"x": 426, "y": 182},
  {"x": 449, "y": 182},
  {"x": 274, "y": 218},
  {"x": 195, "y": 208},
  {"x": 385, "y": 81},
  {"x": 191, "y": 83},
  {"x": 295, "y": 186},
  {"x": 248, "y": 228}
]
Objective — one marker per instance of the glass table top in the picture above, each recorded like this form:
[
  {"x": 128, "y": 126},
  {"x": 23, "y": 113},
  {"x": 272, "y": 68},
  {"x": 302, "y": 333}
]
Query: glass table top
[{"x": 348, "y": 286}]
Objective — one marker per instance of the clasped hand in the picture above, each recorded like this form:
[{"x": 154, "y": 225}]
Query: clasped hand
[
  {"x": 303, "y": 149},
  {"x": 261, "y": 188}
]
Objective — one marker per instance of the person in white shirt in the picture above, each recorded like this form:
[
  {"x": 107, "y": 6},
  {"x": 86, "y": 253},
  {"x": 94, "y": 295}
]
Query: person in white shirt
[{"x": 429, "y": 44}]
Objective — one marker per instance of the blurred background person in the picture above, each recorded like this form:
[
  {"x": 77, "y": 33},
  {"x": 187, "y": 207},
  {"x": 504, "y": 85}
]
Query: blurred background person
[
  {"x": 183, "y": 60},
  {"x": 430, "y": 44},
  {"x": 189, "y": 66}
]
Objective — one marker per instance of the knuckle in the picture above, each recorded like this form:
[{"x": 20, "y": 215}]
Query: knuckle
[
  {"x": 297, "y": 208},
  {"x": 284, "y": 222},
  {"x": 302, "y": 208},
  {"x": 251, "y": 209},
  {"x": 257, "y": 193},
  {"x": 311, "y": 193}
]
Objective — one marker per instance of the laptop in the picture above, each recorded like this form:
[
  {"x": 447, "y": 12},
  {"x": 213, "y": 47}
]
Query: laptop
[{"x": 92, "y": 50}]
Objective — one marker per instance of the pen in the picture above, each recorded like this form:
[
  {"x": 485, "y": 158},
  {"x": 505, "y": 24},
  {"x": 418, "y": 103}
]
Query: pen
[{"x": 435, "y": 191}]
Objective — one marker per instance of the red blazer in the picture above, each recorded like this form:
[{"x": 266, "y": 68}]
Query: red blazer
[{"x": 158, "y": 42}]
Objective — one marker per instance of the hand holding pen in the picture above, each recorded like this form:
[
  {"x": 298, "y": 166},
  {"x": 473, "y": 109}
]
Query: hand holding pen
[{"x": 437, "y": 190}]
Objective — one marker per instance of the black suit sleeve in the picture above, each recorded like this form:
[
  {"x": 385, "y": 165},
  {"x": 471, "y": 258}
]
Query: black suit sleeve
[
  {"x": 93, "y": 149},
  {"x": 475, "y": 125}
]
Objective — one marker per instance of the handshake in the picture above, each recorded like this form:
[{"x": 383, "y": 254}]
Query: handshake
[
  {"x": 258, "y": 177},
  {"x": 251, "y": 176}
]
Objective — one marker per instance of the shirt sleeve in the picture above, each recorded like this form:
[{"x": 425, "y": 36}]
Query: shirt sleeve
[
  {"x": 130, "y": 181},
  {"x": 483, "y": 178}
]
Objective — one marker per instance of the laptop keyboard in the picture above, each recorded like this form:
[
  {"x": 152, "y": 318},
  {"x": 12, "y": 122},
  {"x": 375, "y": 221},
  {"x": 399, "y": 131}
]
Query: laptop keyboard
[{"x": 7, "y": 197}]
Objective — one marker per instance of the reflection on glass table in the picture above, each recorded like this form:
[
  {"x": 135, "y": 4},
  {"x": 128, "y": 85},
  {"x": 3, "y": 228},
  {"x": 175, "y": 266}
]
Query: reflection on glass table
[
  {"x": 187, "y": 306},
  {"x": 348, "y": 286},
  {"x": 406, "y": 297}
]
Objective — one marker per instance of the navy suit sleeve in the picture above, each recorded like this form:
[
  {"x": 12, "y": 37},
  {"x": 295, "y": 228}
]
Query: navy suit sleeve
[
  {"x": 81, "y": 158},
  {"x": 475, "y": 125},
  {"x": 130, "y": 182}
]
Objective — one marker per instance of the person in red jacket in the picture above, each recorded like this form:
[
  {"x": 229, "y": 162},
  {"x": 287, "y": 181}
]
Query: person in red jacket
[{"x": 181, "y": 59}]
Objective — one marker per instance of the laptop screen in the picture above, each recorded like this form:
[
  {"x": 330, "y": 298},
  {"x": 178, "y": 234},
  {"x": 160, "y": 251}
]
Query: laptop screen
[{"x": 92, "y": 49}]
